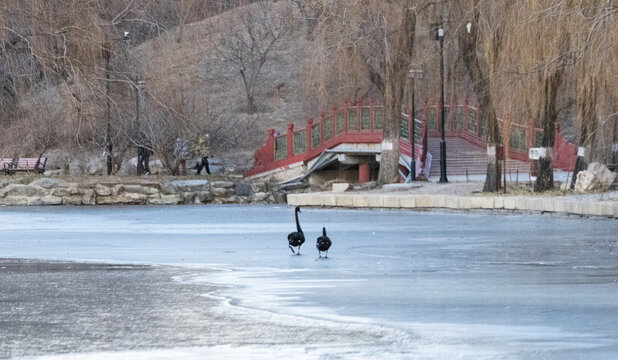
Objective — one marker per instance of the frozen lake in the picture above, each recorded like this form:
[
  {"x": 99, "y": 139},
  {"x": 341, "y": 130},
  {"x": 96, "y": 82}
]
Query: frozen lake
[{"x": 423, "y": 285}]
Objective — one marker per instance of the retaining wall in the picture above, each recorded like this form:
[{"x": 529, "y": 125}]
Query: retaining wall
[
  {"x": 411, "y": 201},
  {"x": 53, "y": 191}
]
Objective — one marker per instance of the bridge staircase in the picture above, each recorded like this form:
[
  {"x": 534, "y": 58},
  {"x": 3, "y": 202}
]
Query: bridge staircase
[{"x": 466, "y": 158}]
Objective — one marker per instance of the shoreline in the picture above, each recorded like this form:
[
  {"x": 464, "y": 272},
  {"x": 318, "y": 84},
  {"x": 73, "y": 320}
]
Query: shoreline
[
  {"x": 31, "y": 190},
  {"x": 193, "y": 307},
  {"x": 460, "y": 197}
]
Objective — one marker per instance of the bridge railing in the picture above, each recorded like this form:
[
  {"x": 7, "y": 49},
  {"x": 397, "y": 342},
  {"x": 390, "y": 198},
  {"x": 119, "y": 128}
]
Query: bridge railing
[
  {"x": 353, "y": 123},
  {"x": 362, "y": 123}
]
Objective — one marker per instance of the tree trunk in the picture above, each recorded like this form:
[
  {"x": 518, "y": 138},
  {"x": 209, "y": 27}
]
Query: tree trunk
[
  {"x": 248, "y": 92},
  {"x": 396, "y": 72},
  {"x": 389, "y": 158},
  {"x": 251, "y": 104},
  {"x": 545, "y": 177},
  {"x": 468, "y": 43},
  {"x": 551, "y": 83},
  {"x": 587, "y": 124},
  {"x": 181, "y": 31},
  {"x": 580, "y": 165},
  {"x": 492, "y": 177}
]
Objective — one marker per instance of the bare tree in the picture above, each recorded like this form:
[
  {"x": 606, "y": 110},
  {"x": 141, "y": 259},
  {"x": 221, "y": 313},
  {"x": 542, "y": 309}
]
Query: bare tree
[
  {"x": 169, "y": 118},
  {"x": 257, "y": 34},
  {"x": 481, "y": 61}
]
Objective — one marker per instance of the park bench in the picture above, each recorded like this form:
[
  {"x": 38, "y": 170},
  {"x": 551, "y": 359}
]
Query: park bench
[{"x": 12, "y": 165}]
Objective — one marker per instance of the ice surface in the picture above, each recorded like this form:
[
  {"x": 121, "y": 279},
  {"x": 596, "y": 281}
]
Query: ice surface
[{"x": 430, "y": 285}]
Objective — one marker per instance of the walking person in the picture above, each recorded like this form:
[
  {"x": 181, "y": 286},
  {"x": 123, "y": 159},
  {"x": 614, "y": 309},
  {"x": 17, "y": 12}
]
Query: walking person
[
  {"x": 202, "y": 150},
  {"x": 143, "y": 155}
]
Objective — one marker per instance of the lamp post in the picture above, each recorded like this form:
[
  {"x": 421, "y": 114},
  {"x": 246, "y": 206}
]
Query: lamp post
[
  {"x": 139, "y": 86},
  {"x": 108, "y": 114},
  {"x": 414, "y": 74},
  {"x": 443, "y": 178},
  {"x": 108, "y": 131}
]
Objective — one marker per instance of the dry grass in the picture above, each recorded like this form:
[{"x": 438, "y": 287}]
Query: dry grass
[{"x": 193, "y": 67}]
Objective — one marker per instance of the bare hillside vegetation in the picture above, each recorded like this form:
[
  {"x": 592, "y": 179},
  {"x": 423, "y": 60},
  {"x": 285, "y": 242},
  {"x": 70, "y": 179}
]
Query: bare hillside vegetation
[{"x": 104, "y": 77}]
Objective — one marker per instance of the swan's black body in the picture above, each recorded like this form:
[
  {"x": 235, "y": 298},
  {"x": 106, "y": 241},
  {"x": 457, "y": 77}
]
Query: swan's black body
[
  {"x": 323, "y": 243},
  {"x": 296, "y": 238}
]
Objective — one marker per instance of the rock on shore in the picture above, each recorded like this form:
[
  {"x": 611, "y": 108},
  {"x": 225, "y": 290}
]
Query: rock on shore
[{"x": 130, "y": 191}]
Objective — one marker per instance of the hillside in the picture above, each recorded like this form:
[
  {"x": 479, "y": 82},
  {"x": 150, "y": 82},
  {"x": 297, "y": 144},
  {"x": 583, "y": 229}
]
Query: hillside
[{"x": 195, "y": 68}]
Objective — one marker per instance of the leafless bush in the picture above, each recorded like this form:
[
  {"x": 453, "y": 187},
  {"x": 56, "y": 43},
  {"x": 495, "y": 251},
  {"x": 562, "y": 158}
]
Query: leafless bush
[
  {"x": 169, "y": 117},
  {"x": 232, "y": 133}
]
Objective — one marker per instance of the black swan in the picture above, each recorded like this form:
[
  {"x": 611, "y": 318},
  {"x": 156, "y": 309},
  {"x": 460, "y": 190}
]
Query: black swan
[
  {"x": 324, "y": 243},
  {"x": 296, "y": 238}
]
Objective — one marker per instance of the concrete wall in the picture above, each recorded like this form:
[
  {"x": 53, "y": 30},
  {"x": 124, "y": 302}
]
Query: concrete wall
[{"x": 400, "y": 201}]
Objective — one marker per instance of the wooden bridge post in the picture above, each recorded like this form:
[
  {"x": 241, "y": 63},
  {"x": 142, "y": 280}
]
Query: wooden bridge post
[
  {"x": 346, "y": 104},
  {"x": 465, "y": 113},
  {"x": 290, "y": 140},
  {"x": 371, "y": 124},
  {"x": 531, "y": 134},
  {"x": 451, "y": 114},
  {"x": 322, "y": 119},
  {"x": 478, "y": 120},
  {"x": 333, "y": 132},
  {"x": 308, "y": 135},
  {"x": 359, "y": 102},
  {"x": 270, "y": 145}
]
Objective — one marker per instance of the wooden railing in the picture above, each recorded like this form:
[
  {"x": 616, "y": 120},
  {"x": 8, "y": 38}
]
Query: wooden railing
[
  {"x": 359, "y": 123},
  {"x": 362, "y": 123}
]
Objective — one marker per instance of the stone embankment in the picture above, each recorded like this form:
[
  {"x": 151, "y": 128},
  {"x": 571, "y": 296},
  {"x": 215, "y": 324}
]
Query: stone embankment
[
  {"x": 586, "y": 206},
  {"x": 120, "y": 191}
]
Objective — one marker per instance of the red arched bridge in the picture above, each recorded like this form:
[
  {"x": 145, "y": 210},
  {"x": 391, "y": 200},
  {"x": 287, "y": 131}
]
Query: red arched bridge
[{"x": 352, "y": 135}]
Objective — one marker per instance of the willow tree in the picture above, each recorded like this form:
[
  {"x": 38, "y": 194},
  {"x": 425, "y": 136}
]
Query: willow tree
[
  {"x": 577, "y": 39},
  {"x": 480, "y": 41},
  {"x": 538, "y": 53},
  {"x": 594, "y": 33},
  {"x": 374, "y": 40},
  {"x": 48, "y": 51}
]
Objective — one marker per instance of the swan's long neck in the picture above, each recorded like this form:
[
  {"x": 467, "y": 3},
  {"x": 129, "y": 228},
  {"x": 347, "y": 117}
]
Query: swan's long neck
[
  {"x": 297, "y": 223},
  {"x": 323, "y": 231}
]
